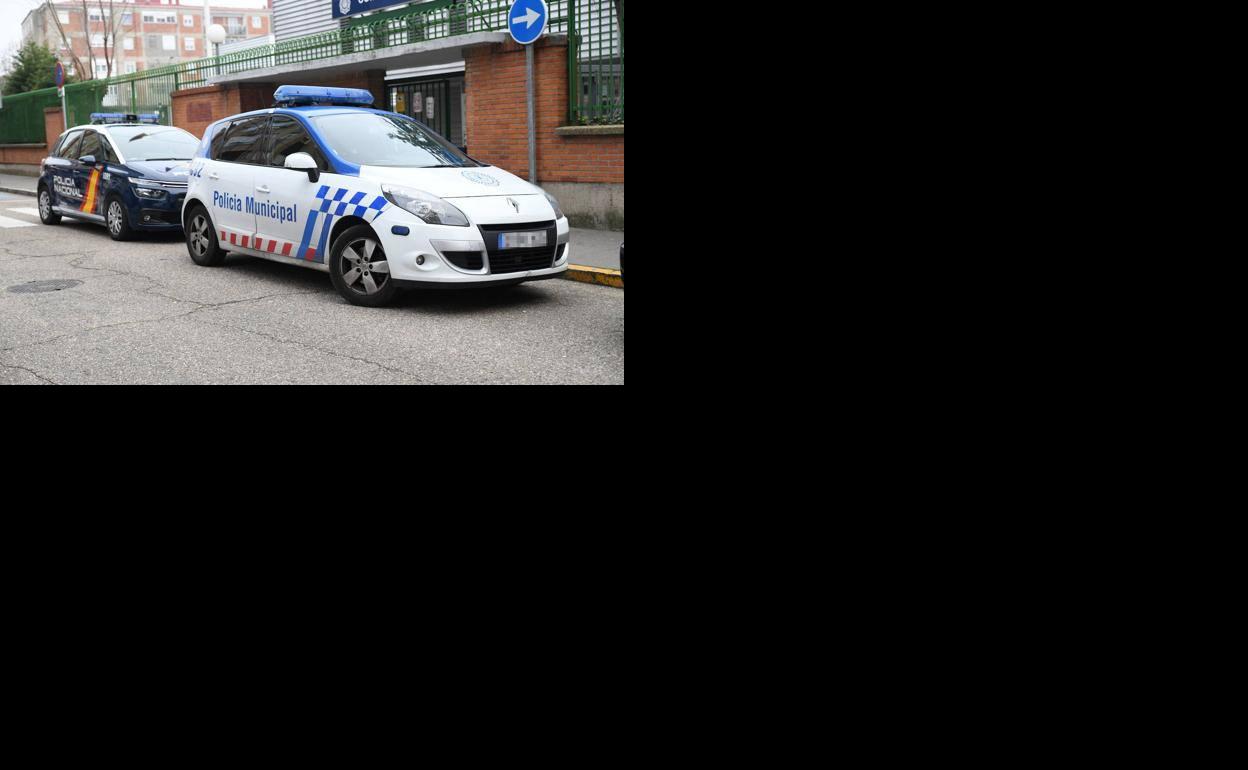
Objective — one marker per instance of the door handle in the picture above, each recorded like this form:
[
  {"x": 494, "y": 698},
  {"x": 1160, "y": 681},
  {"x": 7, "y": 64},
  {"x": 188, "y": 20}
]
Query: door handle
[
  {"x": 214, "y": 176},
  {"x": 264, "y": 190}
]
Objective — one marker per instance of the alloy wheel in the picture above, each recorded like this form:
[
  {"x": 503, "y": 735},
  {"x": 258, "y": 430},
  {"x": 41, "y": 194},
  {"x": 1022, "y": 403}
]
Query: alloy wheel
[
  {"x": 364, "y": 266},
  {"x": 115, "y": 215},
  {"x": 198, "y": 238}
]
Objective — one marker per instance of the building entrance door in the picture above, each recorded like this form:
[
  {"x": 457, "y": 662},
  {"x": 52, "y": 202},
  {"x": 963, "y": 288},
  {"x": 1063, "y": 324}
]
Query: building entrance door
[{"x": 440, "y": 103}]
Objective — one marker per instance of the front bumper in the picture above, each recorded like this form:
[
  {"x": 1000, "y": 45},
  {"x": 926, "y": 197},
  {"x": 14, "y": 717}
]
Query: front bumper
[
  {"x": 439, "y": 248},
  {"x": 164, "y": 214}
]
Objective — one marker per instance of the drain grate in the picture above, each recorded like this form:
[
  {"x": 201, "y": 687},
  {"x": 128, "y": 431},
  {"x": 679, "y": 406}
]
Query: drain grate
[{"x": 38, "y": 287}]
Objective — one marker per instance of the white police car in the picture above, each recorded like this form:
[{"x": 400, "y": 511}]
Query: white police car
[{"x": 375, "y": 199}]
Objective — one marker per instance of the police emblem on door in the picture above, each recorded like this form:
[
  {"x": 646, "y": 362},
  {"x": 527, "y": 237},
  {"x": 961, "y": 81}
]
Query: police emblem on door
[{"x": 344, "y": 6}]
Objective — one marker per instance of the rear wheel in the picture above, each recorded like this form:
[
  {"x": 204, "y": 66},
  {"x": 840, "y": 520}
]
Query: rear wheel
[
  {"x": 118, "y": 222},
  {"x": 45, "y": 208},
  {"x": 201, "y": 239},
  {"x": 359, "y": 270}
]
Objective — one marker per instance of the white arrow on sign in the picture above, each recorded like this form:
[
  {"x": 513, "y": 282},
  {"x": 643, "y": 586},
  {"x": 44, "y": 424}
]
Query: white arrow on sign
[{"x": 528, "y": 19}]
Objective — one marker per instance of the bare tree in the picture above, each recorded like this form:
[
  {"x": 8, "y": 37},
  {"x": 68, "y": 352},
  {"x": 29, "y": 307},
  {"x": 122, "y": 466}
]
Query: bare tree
[
  {"x": 112, "y": 22},
  {"x": 69, "y": 44},
  {"x": 86, "y": 29}
]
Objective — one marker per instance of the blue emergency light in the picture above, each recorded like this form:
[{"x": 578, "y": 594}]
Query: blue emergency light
[
  {"x": 297, "y": 96},
  {"x": 108, "y": 118}
]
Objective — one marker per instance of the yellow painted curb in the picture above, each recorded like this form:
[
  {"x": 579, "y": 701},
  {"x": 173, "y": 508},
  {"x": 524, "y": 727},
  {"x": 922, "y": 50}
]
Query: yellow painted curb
[{"x": 598, "y": 275}]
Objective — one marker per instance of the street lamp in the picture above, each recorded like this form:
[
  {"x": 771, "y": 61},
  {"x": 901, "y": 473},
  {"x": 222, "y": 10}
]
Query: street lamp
[{"x": 216, "y": 36}]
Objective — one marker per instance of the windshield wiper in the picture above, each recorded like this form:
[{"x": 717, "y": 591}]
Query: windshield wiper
[{"x": 153, "y": 160}]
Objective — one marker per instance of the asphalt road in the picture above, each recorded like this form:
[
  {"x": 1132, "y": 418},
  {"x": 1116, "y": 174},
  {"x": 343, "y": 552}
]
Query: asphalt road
[{"x": 143, "y": 313}]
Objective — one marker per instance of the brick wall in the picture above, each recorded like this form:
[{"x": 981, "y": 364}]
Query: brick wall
[
  {"x": 24, "y": 155},
  {"x": 497, "y": 119},
  {"x": 53, "y": 125}
]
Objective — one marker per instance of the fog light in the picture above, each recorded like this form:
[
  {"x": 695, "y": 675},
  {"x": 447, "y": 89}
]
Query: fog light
[
  {"x": 147, "y": 217},
  {"x": 420, "y": 260}
]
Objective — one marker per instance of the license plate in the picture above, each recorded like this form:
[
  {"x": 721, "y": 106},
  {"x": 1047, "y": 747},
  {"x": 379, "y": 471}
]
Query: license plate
[{"x": 522, "y": 240}]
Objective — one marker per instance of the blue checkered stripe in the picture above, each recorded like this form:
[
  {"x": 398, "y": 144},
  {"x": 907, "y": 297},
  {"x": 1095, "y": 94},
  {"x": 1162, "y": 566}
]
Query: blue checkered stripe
[
  {"x": 354, "y": 206},
  {"x": 334, "y": 203}
]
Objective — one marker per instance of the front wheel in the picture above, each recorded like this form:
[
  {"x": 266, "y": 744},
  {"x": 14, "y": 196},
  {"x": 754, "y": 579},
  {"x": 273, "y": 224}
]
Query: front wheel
[
  {"x": 359, "y": 270},
  {"x": 118, "y": 222},
  {"x": 45, "y": 208},
  {"x": 201, "y": 239}
]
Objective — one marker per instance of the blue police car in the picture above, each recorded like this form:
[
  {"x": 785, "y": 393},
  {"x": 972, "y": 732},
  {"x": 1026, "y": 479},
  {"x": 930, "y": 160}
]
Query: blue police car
[
  {"x": 126, "y": 172},
  {"x": 373, "y": 198}
]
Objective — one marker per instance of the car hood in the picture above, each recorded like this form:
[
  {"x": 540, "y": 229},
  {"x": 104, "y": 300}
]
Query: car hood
[
  {"x": 162, "y": 170},
  {"x": 452, "y": 182}
]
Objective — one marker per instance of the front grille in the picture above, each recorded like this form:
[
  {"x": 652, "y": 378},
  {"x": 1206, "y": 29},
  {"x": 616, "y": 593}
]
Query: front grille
[
  {"x": 503, "y": 261},
  {"x": 466, "y": 260}
]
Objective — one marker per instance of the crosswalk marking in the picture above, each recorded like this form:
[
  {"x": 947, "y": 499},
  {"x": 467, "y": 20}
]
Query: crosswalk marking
[
  {"x": 9, "y": 224},
  {"x": 31, "y": 212}
]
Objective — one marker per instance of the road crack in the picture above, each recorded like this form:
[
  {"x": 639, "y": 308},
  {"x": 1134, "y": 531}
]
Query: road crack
[
  {"x": 324, "y": 351},
  {"x": 29, "y": 371}
]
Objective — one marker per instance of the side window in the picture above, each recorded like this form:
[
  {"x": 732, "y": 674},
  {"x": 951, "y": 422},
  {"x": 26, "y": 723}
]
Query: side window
[
  {"x": 106, "y": 150},
  {"x": 288, "y": 138},
  {"x": 243, "y": 143},
  {"x": 218, "y": 142},
  {"x": 68, "y": 147},
  {"x": 90, "y": 146}
]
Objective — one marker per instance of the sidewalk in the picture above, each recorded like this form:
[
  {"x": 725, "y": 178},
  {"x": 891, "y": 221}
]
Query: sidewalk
[
  {"x": 21, "y": 185},
  {"x": 596, "y": 248}
]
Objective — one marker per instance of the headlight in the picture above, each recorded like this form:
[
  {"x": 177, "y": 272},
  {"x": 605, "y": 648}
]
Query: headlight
[
  {"x": 555, "y": 203},
  {"x": 147, "y": 189},
  {"x": 432, "y": 209}
]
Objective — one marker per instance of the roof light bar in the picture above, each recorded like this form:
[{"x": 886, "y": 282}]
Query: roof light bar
[
  {"x": 102, "y": 118},
  {"x": 302, "y": 96}
]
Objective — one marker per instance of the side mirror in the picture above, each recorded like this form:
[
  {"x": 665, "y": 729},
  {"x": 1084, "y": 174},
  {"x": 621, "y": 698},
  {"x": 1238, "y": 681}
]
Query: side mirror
[
  {"x": 301, "y": 161},
  {"x": 87, "y": 160}
]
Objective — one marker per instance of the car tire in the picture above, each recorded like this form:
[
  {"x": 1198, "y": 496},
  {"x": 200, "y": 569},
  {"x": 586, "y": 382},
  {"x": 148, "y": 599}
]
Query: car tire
[
  {"x": 201, "y": 239},
  {"x": 116, "y": 220},
  {"x": 359, "y": 269},
  {"x": 45, "y": 207}
]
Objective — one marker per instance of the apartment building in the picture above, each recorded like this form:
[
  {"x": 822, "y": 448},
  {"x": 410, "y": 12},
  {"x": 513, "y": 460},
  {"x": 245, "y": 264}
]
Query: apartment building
[{"x": 139, "y": 34}]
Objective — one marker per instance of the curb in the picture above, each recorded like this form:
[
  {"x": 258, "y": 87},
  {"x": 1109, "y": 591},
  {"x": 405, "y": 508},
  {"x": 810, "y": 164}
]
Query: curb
[
  {"x": 598, "y": 275},
  {"x": 17, "y": 191}
]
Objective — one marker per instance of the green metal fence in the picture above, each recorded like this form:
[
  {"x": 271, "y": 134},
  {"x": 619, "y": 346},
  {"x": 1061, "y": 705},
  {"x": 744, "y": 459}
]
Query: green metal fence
[
  {"x": 595, "y": 61},
  {"x": 21, "y": 119},
  {"x": 595, "y": 56}
]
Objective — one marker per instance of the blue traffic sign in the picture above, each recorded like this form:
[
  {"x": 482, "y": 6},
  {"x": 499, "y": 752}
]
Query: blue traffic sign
[
  {"x": 59, "y": 73},
  {"x": 527, "y": 20}
]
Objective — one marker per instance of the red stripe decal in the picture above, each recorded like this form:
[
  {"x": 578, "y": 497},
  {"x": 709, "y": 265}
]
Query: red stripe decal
[
  {"x": 311, "y": 255},
  {"x": 272, "y": 247},
  {"x": 233, "y": 239},
  {"x": 286, "y": 249}
]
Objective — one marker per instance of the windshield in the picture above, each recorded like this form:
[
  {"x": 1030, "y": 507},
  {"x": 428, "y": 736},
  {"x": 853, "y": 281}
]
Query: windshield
[
  {"x": 372, "y": 139},
  {"x": 141, "y": 143}
]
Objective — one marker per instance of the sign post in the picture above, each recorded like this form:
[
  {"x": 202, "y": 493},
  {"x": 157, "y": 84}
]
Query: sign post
[
  {"x": 58, "y": 72},
  {"x": 527, "y": 20}
]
